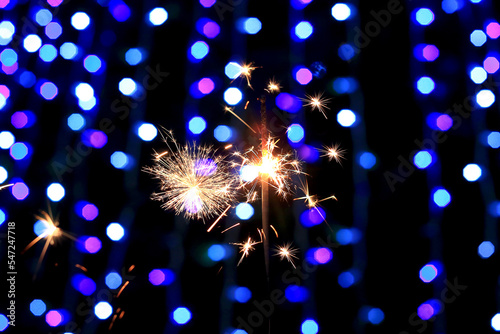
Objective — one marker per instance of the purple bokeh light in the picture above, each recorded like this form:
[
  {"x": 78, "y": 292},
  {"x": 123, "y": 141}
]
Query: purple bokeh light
[
  {"x": 444, "y": 122},
  {"x": 206, "y": 86}
]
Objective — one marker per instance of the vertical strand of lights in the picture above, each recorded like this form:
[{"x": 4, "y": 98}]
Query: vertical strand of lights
[
  {"x": 483, "y": 58},
  {"x": 297, "y": 58},
  {"x": 423, "y": 62},
  {"x": 360, "y": 200}
]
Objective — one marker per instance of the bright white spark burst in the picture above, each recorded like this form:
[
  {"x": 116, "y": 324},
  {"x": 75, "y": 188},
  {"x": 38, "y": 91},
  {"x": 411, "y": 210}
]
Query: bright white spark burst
[
  {"x": 194, "y": 181},
  {"x": 333, "y": 153},
  {"x": 246, "y": 72},
  {"x": 277, "y": 168},
  {"x": 273, "y": 87},
  {"x": 317, "y": 102},
  {"x": 246, "y": 247},
  {"x": 287, "y": 252}
]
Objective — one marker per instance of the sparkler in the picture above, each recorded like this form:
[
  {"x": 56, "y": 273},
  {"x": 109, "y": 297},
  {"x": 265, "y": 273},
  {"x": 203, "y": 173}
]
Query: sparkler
[
  {"x": 194, "y": 180},
  {"x": 317, "y": 102},
  {"x": 333, "y": 153}
]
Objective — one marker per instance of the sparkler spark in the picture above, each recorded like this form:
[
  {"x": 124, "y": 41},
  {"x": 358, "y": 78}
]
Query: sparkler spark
[
  {"x": 194, "y": 180},
  {"x": 246, "y": 247},
  {"x": 333, "y": 153},
  {"x": 287, "y": 252},
  {"x": 317, "y": 102},
  {"x": 277, "y": 168},
  {"x": 50, "y": 233},
  {"x": 246, "y": 72},
  {"x": 6, "y": 186},
  {"x": 273, "y": 87}
]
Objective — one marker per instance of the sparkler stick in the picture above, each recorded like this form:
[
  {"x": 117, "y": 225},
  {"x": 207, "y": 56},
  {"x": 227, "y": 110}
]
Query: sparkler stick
[{"x": 265, "y": 185}]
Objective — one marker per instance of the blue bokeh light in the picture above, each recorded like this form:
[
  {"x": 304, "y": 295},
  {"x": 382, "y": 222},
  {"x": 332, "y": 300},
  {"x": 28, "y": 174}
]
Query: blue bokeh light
[
  {"x": 197, "y": 125},
  {"x": 441, "y": 197},
  {"x": 295, "y": 133},
  {"x": 472, "y": 172},
  {"x": 424, "y": 16},
  {"x": 32, "y": 43},
  {"x": 199, "y": 50},
  {"x": 147, "y": 131},
  {"x": 38, "y": 307},
  {"x": 312, "y": 217},
  {"x": 113, "y": 280},
  {"x": 80, "y": 21},
  {"x": 425, "y": 85},
  {"x": 309, "y": 326},
  {"x": 422, "y": 159},
  {"x": 134, "y": 56},
  {"x": 493, "y": 139},
  {"x": 120, "y": 160},
  {"x": 288, "y": 102},
  {"x": 296, "y": 294},
  {"x": 181, "y": 315},
  {"x": 303, "y": 30},
  {"x": 217, "y": 252},
  {"x": 244, "y": 211},
  {"x": 486, "y": 249},
  {"x": 68, "y": 50},
  {"x": 367, "y": 160},
  {"x": 223, "y": 133},
  {"x": 250, "y": 25},
  {"x": 76, "y": 122},
  {"x": 341, "y": 12},
  {"x": 478, "y": 38}
]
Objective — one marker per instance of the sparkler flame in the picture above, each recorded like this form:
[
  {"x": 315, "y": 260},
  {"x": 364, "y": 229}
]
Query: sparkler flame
[
  {"x": 276, "y": 168},
  {"x": 194, "y": 180}
]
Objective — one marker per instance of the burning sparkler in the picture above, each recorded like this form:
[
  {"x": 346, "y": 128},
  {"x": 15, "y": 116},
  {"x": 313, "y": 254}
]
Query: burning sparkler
[
  {"x": 194, "y": 180},
  {"x": 317, "y": 102}
]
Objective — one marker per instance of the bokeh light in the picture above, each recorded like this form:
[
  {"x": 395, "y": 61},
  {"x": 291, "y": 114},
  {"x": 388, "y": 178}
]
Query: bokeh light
[
  {"x": 425, "y": 85},
  {"x": 76, "y": 122},
  {"x": 113, "y": 280},
  {"x": 296, "y": 294},
  {"x": 20, "y": 191},
  {"x": 346, "y": 118},
  {"x": 312, "y": 217},
  {"x": 472, "y": 172},
  {"x": 223, "y": 133},
  {"x": 55, "y": 192},
  {"x": 441, "y": 197},
  {"x": 302, "y": 75},
  {"x": 244, "y": 211},
  {"x": 422, "y": 159},
  {"x": 428, "y": 273},
  {"x": 197, "y": 125},
  {"x": 493, "y": 139},
  {"x": 485, "y": 98},
  {"x": 80, "y": 21},
  {"x": 303, "y": 30},
  {"x": 115, "y": 231},
  {"x": 103, "y": 310},
  {"x": 158, "y": 16},
  {"x": 147, "y": 131},
  {"x": 120, "y": 160},
  {"x": 85, "y": 285},
  {"x": 341, "y": 11},
  {"x": 161, "y": 276},
  {"x": 38, "y": 307},
  {"x": 424, "y": 16},
  {"x": 367, "y": 160},
  {"x": 181, "y": 315},
  {"x": 216, "y": 252},
  {"x": 478, "y": 38},
  {"x": 295, "y": 133},
  {"x": 309, "y": 326},
  {"x": 486, "y": 249},
  {"x": 478, "y": 75},
  {"x": 199, "y": 50},
  {"x": 233, "y": 96}
]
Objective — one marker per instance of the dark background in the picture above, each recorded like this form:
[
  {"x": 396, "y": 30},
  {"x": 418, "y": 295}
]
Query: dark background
[{"x": 402, "y": 230}]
